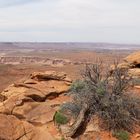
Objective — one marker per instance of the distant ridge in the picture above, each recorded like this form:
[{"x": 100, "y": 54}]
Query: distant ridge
[
  {"x": 8, "y": 46},
  {"x": 67, "y": 45}
]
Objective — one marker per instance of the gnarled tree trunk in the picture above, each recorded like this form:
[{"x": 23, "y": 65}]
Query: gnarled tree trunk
[{"x": 69, "y": 131}]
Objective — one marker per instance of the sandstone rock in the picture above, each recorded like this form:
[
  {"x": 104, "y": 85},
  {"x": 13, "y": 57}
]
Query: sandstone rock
[
  {"x": 41, "y": 114},
  {"x": 121, "y": 66},
  {"x": 30, "y": 81},
  {"x": 22, "y": 111},
  {"x": 29, "y": 106},
  {"x": 2, "y": 98},
  {"x": 39, "y": 92},
  {"x": 42, "y": 133},
  {"x": 29, "y": 129},
  {"x": 9, "y": 105},
  {"x": 13, "y": 91},
  {"x": 11, "y": 128},
  {"x": 33, "y": 60},
  {"x": 93, "y": 125},
  {"x": 35, "y": 113},
  {"x": 137, "y": 87},
  {"x": 133, "y": 58},
  {"x": 59, "y": 86},
  {"x": 137, "y": 135},
  {"x": 52, "y": 82},
  {"x": 58, "y": 101},
  {"x": 35, "y": 95},
  {"x": 134, "y": 72},
  {"x": 132, "y": 63},
  {"x": 50, "y": 75},
  {"x": 124, "y": 65}
]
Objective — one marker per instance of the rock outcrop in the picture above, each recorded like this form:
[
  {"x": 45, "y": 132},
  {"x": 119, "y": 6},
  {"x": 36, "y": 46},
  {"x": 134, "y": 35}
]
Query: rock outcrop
[
  {"x": 132, "y": 63},
  {"x": 133, "y": 59},
  {"x": 29, "y": 106}
]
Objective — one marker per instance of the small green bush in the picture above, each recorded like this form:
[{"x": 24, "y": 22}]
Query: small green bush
[
  {"x": 62, "y": 138},
  {"x": 121, "y": 135},
  {"x": 72, "y": 108},
  {"x": 77, "y": 86},
  {"x": 106, "y": 95},
  {"x": 136, "y": 81},
  {"x": 60, "y": 118},
  {"x": 100, "y": 90}
]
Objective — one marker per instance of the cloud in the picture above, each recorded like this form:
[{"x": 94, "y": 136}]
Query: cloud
[
  {"x": 8, "y": 3},
  {"x": 70, "y": 20}
]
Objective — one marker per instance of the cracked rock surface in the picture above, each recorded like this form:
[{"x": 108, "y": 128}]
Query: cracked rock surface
[{"x": 27, "y": 108}]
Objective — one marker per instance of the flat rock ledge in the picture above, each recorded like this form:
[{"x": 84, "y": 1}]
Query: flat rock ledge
[{"x": 27, "y": 108}]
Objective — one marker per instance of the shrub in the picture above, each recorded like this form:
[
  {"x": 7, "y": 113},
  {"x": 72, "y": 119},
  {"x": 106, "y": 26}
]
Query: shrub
[
  {"x": 60, "y": 118},
  {"x": 77, "y": 86},
  {"x": 136, "y": 81},
  {"x": 62, "y": 138},
  {"x": 73, "y": 109},
  {"x": 121, "y": 135},
  {"x": 104, "y": 93}
]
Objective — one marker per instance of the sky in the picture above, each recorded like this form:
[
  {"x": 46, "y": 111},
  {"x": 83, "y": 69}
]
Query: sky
[{"x": 113, "y": 21}]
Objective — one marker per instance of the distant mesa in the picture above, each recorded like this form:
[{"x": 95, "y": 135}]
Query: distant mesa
[
  {"x": 57, "y": 62},
  {"x": 33, "y": 60}
]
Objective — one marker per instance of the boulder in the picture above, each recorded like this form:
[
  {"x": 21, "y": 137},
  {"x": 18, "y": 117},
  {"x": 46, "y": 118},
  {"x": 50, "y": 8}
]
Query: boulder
[
  {"x": 133, "y": 58},
  {"x": 122, "y": 66},
  {"x": 51, "y": 85},
  {"x": 50, "y": 75},
  {"x": 135, "y": 72},
  {"x": 132, "y": 63}
]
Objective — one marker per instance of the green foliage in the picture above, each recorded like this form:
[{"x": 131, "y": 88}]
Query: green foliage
[
  {"x": 62, "y": 138},
  {"x": 100, "y": 90},
  {"x": 72, "y": 108},
  {"x": 121, "y": 135},
  {"x": 104, "y": 93},
  {"x": 136, "y": 81},
  {"x": 60, "y": 118},
  {"x": 77, "y": 86}
]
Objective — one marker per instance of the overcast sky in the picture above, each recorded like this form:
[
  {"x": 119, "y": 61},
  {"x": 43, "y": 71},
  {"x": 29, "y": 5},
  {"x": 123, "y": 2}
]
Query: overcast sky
[{"x": 115, "y": 21}]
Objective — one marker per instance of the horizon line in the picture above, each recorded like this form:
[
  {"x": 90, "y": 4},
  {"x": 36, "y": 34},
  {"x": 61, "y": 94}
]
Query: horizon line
[{"x": 70, "y": 42}]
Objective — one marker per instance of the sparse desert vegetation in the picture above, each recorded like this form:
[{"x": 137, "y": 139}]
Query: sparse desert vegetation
[
  {"x": 105, "y": 94},
  {"x": 122, "y": 135},
  {"x": 60, "y": 118},
  {"x": 82, "y": 99}
]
